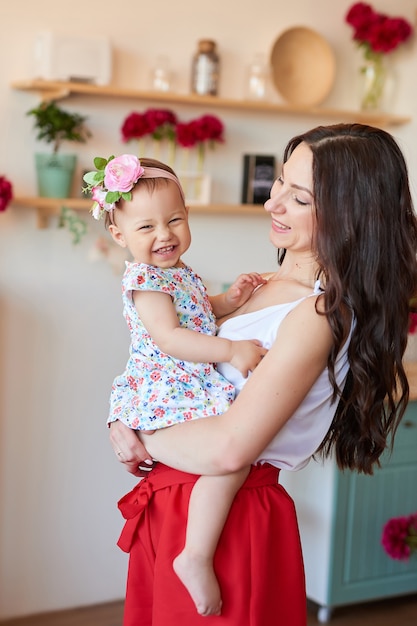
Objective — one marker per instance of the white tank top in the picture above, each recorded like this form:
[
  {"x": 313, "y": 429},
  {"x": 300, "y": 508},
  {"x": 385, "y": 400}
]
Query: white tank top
[{"x": 293, "y": 446}]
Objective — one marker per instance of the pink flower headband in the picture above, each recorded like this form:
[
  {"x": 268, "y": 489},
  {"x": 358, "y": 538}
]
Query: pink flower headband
[{"x": 115, "y": 178}]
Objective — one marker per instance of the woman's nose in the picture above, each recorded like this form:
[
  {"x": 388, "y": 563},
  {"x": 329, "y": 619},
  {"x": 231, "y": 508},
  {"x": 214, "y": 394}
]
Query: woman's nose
[{"x": 275, "y": 204}]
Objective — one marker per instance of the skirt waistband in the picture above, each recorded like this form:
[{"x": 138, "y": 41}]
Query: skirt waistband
[{"x": 134, "y": 503}]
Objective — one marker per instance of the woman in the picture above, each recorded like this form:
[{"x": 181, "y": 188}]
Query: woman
[{"x": 341, "y": 214}]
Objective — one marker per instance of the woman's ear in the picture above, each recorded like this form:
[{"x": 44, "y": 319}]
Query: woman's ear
[{"x": 117, "y": 236}]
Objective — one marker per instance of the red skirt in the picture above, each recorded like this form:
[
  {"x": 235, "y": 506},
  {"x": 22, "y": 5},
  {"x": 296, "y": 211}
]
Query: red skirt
[{"x": 258, "y": 561}]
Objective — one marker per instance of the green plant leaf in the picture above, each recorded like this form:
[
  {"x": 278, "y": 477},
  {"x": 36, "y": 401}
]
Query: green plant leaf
[
  {"x": 55, "y": 125},
  {"x": 100, "y": 163},
  {"x": 90, "y": 178},
  {"x": 76, "y": 226},
  {"x": 127, "y": 196},
  {"x": 112, "y": 196}
]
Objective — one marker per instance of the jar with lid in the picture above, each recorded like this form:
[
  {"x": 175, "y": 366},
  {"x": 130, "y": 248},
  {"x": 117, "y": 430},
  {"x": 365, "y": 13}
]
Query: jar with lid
[{"x": 205, "y": 69}]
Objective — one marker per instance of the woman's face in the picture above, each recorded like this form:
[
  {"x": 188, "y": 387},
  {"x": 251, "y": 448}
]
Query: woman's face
[{"x": 291, "y": 204}]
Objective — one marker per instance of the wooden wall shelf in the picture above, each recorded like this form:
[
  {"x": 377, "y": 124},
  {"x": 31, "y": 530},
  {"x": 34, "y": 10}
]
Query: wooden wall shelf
[
  {"x": 47, "y": 207},
  {"x": 53, "y": 90}
]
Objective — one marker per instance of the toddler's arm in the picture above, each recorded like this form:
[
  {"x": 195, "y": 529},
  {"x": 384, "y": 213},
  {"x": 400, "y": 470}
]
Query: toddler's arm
[
  {"x": 237, "y": 294},
  {"x": 160, "y": 319}
]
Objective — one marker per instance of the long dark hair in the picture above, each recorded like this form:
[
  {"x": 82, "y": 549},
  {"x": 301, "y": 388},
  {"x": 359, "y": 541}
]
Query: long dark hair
[{"x": 366, "y": 245}]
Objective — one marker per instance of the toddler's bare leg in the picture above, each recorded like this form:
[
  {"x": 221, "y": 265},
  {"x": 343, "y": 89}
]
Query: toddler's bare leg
[{"x": 210, "y": 501}]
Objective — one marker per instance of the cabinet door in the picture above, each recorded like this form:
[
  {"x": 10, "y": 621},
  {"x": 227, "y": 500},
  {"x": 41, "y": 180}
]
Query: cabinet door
[{"x": 361, "y": 568}]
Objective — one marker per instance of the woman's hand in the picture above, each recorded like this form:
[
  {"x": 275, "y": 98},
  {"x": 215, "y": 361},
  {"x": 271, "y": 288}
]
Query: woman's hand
[{"x": 129, "y": 449}]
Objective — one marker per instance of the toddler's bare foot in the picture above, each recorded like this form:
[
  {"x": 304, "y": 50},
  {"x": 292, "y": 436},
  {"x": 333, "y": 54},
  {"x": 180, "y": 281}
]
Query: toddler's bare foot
[{"x": 197, "y": 575}]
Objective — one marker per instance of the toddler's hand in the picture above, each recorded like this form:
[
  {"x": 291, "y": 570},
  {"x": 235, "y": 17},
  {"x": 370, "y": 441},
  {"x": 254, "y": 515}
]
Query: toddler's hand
[
  {"x": 242, "y": 289},
  {"x": 246, "y": 355}
]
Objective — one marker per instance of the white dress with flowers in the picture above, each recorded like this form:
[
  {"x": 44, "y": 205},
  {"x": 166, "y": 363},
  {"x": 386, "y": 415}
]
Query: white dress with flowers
[{"x": 157, "y": 390}]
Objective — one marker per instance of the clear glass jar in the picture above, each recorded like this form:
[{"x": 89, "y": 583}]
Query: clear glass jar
[
  {"x": 161, "y": 75},
  {"x": 205, "y": 69},
  {"x": 258, "y": 78}
]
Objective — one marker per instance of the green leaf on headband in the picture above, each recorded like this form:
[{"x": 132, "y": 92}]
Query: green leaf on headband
[
  {"x": 100, "y": 163},
  {"x": 127, "y": 196},
  {"x": 93, "y": 178},
  {"x": 112, "y": 196}
]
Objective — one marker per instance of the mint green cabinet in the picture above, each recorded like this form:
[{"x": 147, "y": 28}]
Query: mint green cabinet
[{"x": 341, "y": 516}]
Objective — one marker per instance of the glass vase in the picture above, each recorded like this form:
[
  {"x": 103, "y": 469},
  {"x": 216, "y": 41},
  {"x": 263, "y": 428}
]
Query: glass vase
[{"x": 374, "y": 74}]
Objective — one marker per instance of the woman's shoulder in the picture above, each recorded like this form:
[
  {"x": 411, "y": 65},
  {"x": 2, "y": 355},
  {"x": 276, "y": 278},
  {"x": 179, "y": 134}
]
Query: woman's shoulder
[{"x": 307, "y": 325}]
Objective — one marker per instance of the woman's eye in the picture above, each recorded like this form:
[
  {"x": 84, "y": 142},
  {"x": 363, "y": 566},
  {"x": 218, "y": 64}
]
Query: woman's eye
[{"x": 300, "y": 202}]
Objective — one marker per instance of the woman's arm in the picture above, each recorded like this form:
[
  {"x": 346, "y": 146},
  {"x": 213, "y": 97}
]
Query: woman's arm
[
  {"x": 228, "y": 442},
  {"x": 160, "y": 319}
]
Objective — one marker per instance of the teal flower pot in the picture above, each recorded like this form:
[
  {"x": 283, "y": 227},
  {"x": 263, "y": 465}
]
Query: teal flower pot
[{"x": 55, "y": 173}]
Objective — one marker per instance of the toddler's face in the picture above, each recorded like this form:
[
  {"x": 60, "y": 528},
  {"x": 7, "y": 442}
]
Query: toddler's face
[{"x": 153, "y": 225}]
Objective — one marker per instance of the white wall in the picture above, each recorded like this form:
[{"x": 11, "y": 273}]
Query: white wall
[{"x": 62, "y": 334}]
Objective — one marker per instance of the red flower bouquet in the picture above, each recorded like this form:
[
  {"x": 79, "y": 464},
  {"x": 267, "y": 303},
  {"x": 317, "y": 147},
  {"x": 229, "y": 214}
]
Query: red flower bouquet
[
  {"x": 376, "y": 35},
  {"x": 399, "y": 537},
  {"x": 205, "y": 130},
  {"x": 6, "y": 193},
  {"x": 159, "y": 123},
  {"x": 376, "y": 32}
]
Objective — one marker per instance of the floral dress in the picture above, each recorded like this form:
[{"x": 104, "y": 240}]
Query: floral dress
[{"x": 157, "y": 390}]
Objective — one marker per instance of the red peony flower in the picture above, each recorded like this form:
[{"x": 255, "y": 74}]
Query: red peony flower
[
  {"x": 6, "y": 193},
  {"x": 209, "y": 128},
  {"x": 135, "y": 126},
  {"x": 361, "y": 16},
  {"x": 399, "y": 537},
  {"x": 160, "y": 123},
  {"x": 186, "y": 135},
  {"x": 377, "y": 32}
]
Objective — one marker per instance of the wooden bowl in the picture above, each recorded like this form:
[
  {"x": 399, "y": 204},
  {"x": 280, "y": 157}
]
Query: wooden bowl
[{"x": 303, "y": 66}]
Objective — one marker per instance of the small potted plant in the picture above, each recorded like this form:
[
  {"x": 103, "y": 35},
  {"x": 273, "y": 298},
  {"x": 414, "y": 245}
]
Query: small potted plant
[{"x": 54, "y": 126}]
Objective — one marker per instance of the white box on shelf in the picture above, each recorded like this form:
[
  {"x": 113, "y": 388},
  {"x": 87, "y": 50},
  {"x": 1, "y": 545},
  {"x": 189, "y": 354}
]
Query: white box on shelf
[{"x": 61, "y": 57}]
